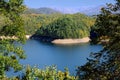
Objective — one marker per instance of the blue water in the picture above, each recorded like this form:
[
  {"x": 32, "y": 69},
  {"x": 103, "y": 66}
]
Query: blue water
[{"x": 45, "y": 54}]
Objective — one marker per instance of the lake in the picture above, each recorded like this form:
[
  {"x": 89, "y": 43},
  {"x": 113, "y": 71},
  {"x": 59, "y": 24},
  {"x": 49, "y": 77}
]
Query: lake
[{"x": 46, "y": 54}]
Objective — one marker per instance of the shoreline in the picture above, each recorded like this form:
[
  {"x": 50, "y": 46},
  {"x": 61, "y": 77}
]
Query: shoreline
[
  {"x": 14, "y": 37},
  {"x": 28, "y": 36},
  {"x": 71, "y": 41}
]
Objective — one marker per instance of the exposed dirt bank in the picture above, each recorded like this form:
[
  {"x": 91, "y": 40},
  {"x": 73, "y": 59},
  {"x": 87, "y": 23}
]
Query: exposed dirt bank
[{"x": 71, "y": 41}]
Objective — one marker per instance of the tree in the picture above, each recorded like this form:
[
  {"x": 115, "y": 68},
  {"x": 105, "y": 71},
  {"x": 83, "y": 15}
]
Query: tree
[
  {"x": 9, "y": 53},
  {"x": 49, "y": 73},
  {"x": 67, "y": 26},
  {"x": 105, "y": 65}
]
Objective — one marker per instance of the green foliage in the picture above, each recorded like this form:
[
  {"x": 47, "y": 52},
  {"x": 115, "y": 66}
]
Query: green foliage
[
  {"x": 9, "y": 53},
  {"x": 14, "y": 24},
  {"x": 49, "y": 73},
  {"x": 105, "y": 65},
  {"x": 67, "y": 26},
  {"x": 32, "y": 22},
  {"x": 107, "y": 23}
]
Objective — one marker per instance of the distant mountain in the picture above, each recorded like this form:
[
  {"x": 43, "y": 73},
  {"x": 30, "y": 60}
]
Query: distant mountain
[
  {"x": 43, "y": 10},
  {"x": 92, "y": 10},
  {"x": 84, "y": 10},
  {"x": 67, "y": 10}
]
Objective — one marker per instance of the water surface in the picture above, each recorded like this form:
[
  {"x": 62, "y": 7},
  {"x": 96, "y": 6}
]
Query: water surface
[{"x": 45, "y": 54}]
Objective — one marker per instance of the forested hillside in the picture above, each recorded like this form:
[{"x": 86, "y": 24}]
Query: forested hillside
[
  {"x": 47, "y": 18},
  {"x": 67, "y": 26},
  {"x": 32, "y": 22}
]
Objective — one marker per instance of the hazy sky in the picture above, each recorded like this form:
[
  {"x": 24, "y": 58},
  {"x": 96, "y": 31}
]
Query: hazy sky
[{"x": 65, "y": 3}]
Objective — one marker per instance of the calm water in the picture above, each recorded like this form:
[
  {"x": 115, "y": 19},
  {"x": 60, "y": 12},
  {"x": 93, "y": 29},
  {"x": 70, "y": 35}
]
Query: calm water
[{"x": 62, "y": 56}]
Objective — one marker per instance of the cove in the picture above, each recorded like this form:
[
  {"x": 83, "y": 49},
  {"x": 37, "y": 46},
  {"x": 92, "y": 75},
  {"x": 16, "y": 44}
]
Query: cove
[{"x": 46, "y": 54}]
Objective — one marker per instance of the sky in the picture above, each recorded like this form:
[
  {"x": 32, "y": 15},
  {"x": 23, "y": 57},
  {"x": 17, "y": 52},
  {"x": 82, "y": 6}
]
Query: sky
[{"x": 65, "y": 3}]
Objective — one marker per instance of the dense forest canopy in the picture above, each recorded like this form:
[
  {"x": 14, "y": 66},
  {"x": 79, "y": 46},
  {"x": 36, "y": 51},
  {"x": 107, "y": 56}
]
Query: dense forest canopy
[
  {"x": 67, "y": 26},
  {"x": 32, "y": 21}
]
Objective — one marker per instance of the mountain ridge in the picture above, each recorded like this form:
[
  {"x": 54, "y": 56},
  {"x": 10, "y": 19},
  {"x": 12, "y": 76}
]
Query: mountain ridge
[
  {"x": 84, "y": 10},
  {"x": 42, "y": 10}
]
